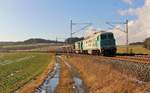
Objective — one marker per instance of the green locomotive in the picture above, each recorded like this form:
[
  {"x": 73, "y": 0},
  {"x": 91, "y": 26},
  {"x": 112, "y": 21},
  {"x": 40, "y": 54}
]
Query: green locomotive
[{"x": 98, "y": 43}]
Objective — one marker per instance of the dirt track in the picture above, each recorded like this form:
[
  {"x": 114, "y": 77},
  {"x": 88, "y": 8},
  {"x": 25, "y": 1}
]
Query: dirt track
[{"x": 65, "y": 83}]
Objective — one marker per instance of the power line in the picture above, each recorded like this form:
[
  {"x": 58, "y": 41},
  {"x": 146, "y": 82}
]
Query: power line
[
  {"x": 125, "y": 31},
  {"x": 73, "y": 24}
]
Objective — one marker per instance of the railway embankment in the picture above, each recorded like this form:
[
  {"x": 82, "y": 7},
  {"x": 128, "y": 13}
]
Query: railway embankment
[{"x": 106, "y": 75}]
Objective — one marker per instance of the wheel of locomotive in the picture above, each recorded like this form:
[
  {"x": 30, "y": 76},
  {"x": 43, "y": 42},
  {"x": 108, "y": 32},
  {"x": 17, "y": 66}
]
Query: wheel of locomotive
[
  {"x": 103, "y": 52},
  {"x": 113, "y": 53}
]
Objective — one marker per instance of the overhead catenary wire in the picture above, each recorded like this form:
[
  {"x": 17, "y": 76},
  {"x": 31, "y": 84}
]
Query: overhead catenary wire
[
  {"x": 125, "y": 31},
  {"x": 77, "y": 23}
]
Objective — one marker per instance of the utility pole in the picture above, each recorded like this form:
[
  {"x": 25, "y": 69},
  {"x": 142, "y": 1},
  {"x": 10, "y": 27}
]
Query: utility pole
[
  {"x": 127, "y": 36},
  {"x": 56, "y": 40},
  {"x": 125, "y": 31},
  {"x": 70, "y": 31},
  {"x": 73, "y": 24}
]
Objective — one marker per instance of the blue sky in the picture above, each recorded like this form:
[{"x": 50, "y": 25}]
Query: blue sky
[{"x": 23, "y": 19}]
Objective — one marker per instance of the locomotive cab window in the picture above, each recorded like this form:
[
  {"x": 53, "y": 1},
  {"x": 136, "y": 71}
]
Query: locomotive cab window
[
  {"x": 103, "y": 36},
  {"x": 110, "y": 36}
]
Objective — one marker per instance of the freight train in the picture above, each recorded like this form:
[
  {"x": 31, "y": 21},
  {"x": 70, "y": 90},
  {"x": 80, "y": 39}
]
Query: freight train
[{"x": 99, "y": 43}]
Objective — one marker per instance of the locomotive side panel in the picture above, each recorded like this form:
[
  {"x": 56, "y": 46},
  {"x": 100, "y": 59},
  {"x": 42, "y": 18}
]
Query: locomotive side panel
[{"x": 79, "y": 47}]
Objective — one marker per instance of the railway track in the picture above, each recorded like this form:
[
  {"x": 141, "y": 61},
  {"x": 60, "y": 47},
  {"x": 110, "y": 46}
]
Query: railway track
[
  {"x": 145, "y": 59},
  {"x": 138, "y": 59}
]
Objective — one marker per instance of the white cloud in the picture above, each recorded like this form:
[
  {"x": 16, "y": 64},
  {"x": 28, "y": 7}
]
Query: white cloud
[
  {"x": 129, "y": 11},
  {"x": 139, "y": 29}
]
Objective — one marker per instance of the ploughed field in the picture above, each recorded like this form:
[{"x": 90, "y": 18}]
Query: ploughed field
[{"x": 16, "y": 69}]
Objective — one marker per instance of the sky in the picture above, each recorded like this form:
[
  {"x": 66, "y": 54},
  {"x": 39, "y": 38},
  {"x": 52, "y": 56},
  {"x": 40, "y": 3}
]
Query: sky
[{"x": 48, "y": 19}]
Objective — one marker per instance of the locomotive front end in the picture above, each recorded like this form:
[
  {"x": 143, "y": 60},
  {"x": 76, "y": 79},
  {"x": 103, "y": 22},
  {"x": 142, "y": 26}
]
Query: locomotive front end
[{"x": 108, "y": 45}]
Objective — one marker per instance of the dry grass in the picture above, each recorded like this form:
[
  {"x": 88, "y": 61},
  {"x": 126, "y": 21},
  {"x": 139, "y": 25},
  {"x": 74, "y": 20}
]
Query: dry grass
[
  {"x": 103, "y": 78},
  {"x": 137, "y": 49}
]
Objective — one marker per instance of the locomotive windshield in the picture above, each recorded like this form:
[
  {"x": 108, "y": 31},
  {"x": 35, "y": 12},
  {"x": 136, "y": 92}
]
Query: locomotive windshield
[
  {"x": 107, "y": 36},
  {"x": 110, "y": 36},
  {"x": 103, "y": 36}
]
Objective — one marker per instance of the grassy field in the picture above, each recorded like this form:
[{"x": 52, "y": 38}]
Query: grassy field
[
  {"x": 45, "y": 47},
  {"x": 16, "y": 69},
  {"x": 24, "y": 45},
  {"x": 137, "y": 49}
]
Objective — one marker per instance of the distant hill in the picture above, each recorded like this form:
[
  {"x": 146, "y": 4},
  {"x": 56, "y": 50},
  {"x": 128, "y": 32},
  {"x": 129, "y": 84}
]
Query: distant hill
[
  {"x": 39, "y": 40},
  {"x": 31, "y": 41}
]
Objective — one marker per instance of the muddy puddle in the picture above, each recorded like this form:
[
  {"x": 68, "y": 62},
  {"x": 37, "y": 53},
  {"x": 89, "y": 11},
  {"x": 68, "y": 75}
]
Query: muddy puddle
[
  {"x": 79, "y": 86},
  {"x": 50, "y": 84}
]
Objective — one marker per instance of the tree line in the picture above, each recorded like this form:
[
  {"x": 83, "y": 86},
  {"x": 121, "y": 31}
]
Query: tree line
[{"x": 145, "y": 43}]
